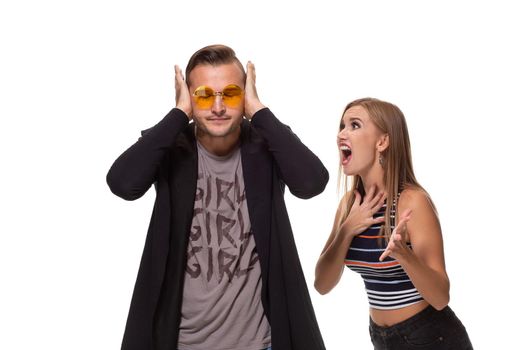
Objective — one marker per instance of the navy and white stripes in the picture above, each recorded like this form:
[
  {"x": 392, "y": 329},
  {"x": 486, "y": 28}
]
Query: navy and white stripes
[{"x": 386, "y": 282}]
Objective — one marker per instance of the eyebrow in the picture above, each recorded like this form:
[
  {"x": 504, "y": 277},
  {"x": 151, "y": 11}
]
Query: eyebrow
[{"x": 351, "y": 119}]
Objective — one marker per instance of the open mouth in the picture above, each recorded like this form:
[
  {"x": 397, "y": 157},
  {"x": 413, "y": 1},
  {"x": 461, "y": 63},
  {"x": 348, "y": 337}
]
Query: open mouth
[{"x": 347, "y": 154}]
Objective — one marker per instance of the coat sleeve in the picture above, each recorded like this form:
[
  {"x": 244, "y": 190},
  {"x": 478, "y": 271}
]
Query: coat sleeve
[
  {"x": 133, "y": 173},
  {"x": 300, "y": 169}
]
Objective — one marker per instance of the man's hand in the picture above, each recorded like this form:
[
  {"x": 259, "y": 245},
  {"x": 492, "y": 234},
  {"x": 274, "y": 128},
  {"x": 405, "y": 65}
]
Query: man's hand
[
  {"x": 251, "y": 101},
  {"x": 182, "y": 94}
]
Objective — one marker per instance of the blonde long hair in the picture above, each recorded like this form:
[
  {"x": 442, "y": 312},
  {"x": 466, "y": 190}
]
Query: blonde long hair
[{"x": 397, "y": 159}]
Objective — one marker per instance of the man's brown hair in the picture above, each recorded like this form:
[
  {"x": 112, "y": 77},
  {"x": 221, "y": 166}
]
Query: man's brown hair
[{"x": 213, "y": 55}]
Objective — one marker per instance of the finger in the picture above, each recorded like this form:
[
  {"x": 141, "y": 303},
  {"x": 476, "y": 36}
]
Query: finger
[
  {"x": 378, "y": 220},
  {"x": 403, "y": 219},
  {"x": 178, "y": 74},
  {"x": 388, "y": 249},
  {"x": 250, "y": 72},
  {"x": 401, "y": 229},
  {"x": 406, "y": 214},
  {"x": 377, "y": 198},
  {"x": 370, "y": 194},
  {"x": 371, "y": 198},
  {"x": 378, "y": 202},
  {"x": 385, "y": 254},
  {"x": 397, "y": 238},
  {"x": 357, "y": 199}
]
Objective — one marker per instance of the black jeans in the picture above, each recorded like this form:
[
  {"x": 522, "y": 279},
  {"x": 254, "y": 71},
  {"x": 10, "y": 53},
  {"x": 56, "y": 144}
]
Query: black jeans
[{"x": 427, "y": 330}]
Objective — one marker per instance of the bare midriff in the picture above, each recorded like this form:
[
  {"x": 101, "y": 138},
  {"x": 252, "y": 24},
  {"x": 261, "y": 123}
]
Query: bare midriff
[{"x": 387, "y": 318}]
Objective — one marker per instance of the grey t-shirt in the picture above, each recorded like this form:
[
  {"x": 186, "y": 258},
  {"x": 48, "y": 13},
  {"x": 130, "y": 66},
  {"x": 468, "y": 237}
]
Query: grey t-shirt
[{"x": 221, "y": 307}]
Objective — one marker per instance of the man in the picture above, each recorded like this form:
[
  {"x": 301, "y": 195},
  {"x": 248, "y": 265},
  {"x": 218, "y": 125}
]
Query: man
[{"x": 220, "y": 269}]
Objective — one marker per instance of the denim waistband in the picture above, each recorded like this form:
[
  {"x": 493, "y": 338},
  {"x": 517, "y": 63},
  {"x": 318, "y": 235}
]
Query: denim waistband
[{"x": 427, "y": 314}]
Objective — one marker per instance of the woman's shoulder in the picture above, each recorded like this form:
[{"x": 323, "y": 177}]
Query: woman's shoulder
[{"x": 413, "y": 197}]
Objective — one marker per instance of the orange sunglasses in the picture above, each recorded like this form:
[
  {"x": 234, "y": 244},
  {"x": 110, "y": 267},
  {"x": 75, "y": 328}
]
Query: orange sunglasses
[{"x": 204, "y": 96}]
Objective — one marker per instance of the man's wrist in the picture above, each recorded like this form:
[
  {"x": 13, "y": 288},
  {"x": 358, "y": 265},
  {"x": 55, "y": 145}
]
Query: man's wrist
[
  {"x": 250, "y": 112},
  {"x": 185, "y": 110}
]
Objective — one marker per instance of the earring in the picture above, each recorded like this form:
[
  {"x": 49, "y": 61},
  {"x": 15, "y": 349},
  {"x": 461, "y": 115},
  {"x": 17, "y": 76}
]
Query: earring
[{"x": 381, "y": 160}]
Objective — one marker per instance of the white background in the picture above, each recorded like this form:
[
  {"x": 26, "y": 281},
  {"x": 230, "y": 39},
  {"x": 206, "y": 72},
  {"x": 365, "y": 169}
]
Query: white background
[{"x": 79, "y": 80}]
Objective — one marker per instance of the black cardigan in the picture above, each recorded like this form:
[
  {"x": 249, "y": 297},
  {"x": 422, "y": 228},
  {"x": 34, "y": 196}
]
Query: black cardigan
[{"x": 166, "y": 155}]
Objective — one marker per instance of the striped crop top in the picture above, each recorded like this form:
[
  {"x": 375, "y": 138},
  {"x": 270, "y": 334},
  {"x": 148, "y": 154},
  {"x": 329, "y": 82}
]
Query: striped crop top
[{"x": 386, "y": 282}]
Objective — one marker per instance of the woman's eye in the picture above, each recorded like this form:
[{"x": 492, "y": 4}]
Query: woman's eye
[
  {"x": 355, "y": 125},
  {"x": 341, "y": 126}
]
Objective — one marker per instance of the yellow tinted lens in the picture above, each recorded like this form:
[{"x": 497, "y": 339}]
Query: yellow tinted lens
[
  {"x": 232, "y": 96},
  {"x": 203, "y": 96}
]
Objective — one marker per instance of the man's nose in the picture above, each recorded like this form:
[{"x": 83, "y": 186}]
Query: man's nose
[{"x": 218, "y": 106}]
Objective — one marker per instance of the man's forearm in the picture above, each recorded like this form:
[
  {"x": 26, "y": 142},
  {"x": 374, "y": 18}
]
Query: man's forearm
[
  {"x": 133, "y": 173},
  {"x": 301, "y": 170}
]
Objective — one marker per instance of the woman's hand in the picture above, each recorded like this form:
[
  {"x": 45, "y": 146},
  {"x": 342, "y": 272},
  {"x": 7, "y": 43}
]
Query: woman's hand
[
  {"x": 332, "y": 260},
  {"x": 397, "y": 246},
  {"x": 361, "y": 215}
]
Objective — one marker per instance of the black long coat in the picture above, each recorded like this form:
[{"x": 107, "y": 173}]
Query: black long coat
[{"x": 272, "y": 157}]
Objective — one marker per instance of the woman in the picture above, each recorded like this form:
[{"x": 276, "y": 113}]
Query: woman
[{"x": 400, "y": 258}]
